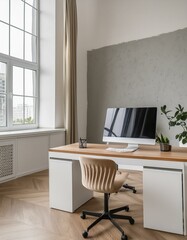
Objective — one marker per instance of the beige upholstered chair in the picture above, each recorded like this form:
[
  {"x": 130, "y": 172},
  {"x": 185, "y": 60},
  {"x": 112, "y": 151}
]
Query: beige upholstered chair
[{"x": 101, "y": 175}]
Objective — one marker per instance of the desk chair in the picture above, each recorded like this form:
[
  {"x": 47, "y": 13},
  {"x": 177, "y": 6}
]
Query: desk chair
[{"x": 101, "y": 175}]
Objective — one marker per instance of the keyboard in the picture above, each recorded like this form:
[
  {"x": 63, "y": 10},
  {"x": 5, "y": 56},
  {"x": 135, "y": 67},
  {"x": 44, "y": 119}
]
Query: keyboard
[{"x": 121, "y": 149}]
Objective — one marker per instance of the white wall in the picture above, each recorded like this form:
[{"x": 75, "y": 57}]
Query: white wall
[
  {"x": 51, "y": 65},
  {"x": 47, "y": 64},
  {"x": 108, "y": 22}
]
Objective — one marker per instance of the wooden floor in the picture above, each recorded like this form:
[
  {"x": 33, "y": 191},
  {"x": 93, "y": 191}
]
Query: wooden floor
[{"x": 25, "y": 213}]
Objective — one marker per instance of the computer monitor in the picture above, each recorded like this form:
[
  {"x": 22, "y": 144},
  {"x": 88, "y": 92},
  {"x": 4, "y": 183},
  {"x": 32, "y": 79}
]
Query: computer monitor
[{"x": 130, "y": 125}]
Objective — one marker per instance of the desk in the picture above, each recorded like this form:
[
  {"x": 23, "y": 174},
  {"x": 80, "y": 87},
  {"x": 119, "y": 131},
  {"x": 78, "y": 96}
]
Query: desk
[{"x": 164, "y": 181}]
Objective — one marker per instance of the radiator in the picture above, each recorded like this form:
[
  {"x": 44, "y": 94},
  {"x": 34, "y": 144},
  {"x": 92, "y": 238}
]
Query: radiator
[{"x": 6, "y": 161}]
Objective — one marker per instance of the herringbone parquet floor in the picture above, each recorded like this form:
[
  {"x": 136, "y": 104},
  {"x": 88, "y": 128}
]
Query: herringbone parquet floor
[{"x": 25, "y": 213}]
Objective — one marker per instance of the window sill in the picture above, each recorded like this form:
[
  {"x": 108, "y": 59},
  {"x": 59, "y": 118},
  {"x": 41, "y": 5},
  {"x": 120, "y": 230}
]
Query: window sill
[{"x": 30, "y": 132}]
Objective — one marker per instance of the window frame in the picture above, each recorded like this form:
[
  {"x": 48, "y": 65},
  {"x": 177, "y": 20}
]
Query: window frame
[{"x": 10, "y": 62}]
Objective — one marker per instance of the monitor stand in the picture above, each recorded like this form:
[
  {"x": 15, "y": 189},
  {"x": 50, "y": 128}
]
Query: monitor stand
[
  {"x": 133, "y": 147},
  {"x": 129, "y": 148}
]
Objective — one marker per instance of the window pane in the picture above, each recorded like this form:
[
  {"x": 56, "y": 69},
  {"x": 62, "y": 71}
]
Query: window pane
[
  {"x": 30, "y": 47},
  {"x": 19, "y": 42},
  {"x": 2, "y": 111},
  {"x": 4, "y": 10},
  {"x": 2, "y": 77},
  {"x": 18, "y": 110},
  {"x": 17, "y": 81},
  {"x": 32, "y": 2},
  {"x": 30, "y": 19},
  {"x": 16, "y": 43},
  {"x": 17, "y": 10},
  {"x": 30, "y": 77},
  {"x": 29, "y": 111},
  {"x": 4, "y": 39}
]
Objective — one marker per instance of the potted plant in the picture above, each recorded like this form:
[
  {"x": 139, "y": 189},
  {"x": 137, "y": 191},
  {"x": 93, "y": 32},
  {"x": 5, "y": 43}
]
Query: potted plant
[
  {"x": 177, "y": 119},
  {"x": 164, "y": 143}
]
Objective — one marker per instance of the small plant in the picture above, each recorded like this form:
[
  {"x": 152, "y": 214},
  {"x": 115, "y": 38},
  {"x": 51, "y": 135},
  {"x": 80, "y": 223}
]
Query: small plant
[
  {"x": 164, "y": 143},
  {"x": 177, "y": 119},
  {"x": 162, "y": 139}
]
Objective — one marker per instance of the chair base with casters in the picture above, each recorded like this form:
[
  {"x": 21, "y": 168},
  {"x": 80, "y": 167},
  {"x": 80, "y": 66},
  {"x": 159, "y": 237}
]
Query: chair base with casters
[
  {"x": 126, "y": 186},
  {"x": 108, "y": 214}
]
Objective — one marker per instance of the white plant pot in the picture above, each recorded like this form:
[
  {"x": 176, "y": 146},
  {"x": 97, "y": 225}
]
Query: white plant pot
[{"x": 182, "y": 145}]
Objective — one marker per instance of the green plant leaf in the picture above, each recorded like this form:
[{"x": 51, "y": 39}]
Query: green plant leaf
[
  {"x": 177, "y": 136},
  {"x": 184, "y": 140},
  {"x": 162, "y": 139},
  {"x": 163, "y": 108},
  {"x": 184, "y": 117},
  {"x": 172, "y": 123},
  {"x": 176, "y": 113},
  {"x": 179, "y": 106},
  {"x": 180, "y": 137}
]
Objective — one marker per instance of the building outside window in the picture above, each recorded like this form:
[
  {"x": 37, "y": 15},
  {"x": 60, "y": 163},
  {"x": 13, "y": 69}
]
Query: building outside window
[{"x": 19, "y": 65}]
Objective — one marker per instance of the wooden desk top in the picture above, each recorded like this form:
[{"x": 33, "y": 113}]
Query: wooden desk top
[{"x": 144, "y": 152}]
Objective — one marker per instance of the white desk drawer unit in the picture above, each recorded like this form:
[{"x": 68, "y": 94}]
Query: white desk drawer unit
[
  {"x": 163, "y": 199},
  {"x": 66, "y": 191}
]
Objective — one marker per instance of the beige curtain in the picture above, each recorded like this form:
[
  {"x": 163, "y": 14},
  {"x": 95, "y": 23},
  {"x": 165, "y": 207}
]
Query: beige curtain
[{"x": 70, "y": 70}]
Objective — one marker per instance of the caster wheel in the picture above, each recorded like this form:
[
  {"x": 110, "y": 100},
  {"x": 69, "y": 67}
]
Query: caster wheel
[
  {"x": 127, "y": 208},
  {"x": 134, "y": 191},
  {"x": 131, "y": 221},
  {"x": 124, "y": 237},
  {"x": 83, "y": 216},
  {"x": 85, "y": 234}
]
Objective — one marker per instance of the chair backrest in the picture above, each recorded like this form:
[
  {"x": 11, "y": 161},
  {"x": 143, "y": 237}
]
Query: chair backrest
[{"x": 98, "y": 174}]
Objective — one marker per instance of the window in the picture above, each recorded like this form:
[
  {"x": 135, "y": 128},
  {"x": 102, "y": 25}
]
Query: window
[
  {"x": 19, "y": 64},
  {"x": 3, "y": 94}
]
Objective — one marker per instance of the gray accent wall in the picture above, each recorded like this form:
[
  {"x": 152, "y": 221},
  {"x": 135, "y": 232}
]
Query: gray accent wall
[{"x": 146, "y": 72}]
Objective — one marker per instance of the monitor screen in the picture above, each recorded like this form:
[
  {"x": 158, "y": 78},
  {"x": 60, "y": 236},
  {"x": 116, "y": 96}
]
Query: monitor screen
[{"x": 130, "y": 125}]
